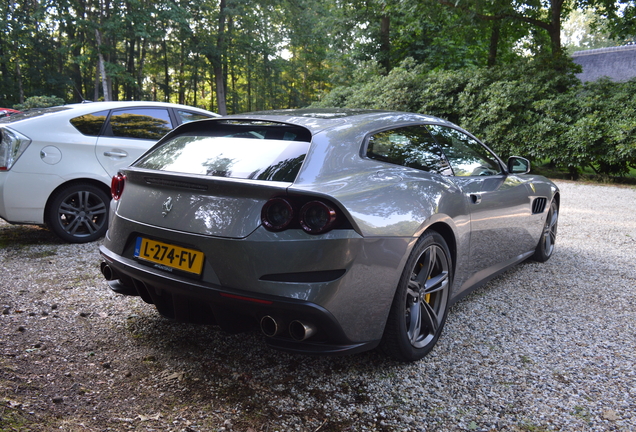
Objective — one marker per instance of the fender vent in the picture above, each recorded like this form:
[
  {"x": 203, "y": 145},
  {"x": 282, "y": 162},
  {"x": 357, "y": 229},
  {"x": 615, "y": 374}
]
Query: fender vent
[{"x": 538, "y": 205}]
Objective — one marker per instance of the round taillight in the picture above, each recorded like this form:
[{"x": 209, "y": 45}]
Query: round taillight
[
  {"x": 277, "y": 214},
  {"x": 316, "y": 217},
  {"x": 117, "y": 186}
]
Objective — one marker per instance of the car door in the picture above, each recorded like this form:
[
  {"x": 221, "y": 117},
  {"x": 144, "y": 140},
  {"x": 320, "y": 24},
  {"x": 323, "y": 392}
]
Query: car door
[
  {"x": 498, "y": 203},
  {"x": 129, "y": 132}
]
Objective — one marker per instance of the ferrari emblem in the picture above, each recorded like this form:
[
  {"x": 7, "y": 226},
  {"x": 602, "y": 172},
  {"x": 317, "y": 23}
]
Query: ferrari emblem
[{"x": 167, "y": 207}]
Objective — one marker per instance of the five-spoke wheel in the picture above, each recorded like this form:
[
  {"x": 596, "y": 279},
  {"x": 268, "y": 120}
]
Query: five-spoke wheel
[
  {"x": 545, "y": 248},
  {"x": 78, "y": 213},
  {"x": 419, "y": 309}
]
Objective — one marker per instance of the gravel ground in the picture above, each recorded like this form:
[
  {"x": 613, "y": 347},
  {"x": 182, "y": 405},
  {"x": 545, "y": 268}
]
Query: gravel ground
[{"x": 543, "y": 347}]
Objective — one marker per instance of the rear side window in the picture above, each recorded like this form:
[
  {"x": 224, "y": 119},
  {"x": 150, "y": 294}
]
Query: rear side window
[
  {"x": 410, "y": 146},
  {"x": 90, "y": 124},
  {"x": 188, "y": 116},
  {"x": 244, "y": 157},
  {"x": 145, "y": 123}
]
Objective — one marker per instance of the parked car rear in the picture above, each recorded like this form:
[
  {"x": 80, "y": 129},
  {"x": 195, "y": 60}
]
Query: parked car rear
[{"x": 56, "y": 163}]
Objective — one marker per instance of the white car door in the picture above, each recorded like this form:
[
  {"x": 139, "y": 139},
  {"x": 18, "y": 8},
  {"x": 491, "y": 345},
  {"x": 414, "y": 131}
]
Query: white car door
[{"x": 129, "y": 133}]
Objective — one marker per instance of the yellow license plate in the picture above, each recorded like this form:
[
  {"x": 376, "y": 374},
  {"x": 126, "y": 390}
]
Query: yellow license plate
[{"x": 170, "y": 256}]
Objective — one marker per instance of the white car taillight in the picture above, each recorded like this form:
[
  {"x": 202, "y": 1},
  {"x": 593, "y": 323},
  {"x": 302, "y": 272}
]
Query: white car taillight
[{"x": 12, "y": 145}]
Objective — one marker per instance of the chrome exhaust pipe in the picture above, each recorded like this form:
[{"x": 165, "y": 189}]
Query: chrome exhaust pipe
[
  {"x": 301, "y": 331},
  {"x": 108, "y": 272},
  {"x": 270, "y": 327}
]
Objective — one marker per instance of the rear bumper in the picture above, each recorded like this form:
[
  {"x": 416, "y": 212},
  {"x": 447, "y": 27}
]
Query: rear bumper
[
  {"x": 23, "y": 196},
  {"x": 233, "y": 310}
]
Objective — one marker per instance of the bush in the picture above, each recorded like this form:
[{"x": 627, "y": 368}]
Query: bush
[
  {"x": 603, "y": 136},
  {"x": 529, "y": 109},
  {"x": 398, "y": 90},
  {"x": 39, "y": 102}
]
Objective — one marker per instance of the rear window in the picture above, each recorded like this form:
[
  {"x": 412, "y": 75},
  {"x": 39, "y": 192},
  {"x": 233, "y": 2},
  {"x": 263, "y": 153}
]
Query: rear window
[
  {"x": 188, "y": 116},
  {"x": 34, "y": 112},
  {"x": 244, "y": 155}
]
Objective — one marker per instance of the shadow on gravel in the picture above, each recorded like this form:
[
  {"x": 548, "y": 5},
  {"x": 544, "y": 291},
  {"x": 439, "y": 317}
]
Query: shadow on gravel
[
  {"x": 26, "y": 235},
  {"x": 244, "y": 350},
  {"x": 242, "y": 371}
]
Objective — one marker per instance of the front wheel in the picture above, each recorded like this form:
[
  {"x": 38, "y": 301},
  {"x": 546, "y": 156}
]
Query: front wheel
[
  {"x": 79, "y": 213},
  {"x": 545, "y": 248},
  {"x": 420, "y": 305}
]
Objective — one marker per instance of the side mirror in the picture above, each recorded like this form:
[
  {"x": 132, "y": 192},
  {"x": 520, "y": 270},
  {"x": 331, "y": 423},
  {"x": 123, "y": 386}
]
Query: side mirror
[{"x": 518, "y": 165}]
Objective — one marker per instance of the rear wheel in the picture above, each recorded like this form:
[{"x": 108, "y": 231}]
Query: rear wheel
[
  {"x": 545, "y": 248},
  {"x": 420, "y": 305},
  {"x": 79, "y": 213}
]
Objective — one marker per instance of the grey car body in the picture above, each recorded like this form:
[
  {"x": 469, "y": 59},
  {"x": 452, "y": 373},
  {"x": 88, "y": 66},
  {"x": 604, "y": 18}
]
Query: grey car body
[{"x": 406, "y": 190}]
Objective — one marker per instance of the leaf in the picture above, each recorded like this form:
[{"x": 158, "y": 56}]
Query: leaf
[{"x": 610, "y": 415}]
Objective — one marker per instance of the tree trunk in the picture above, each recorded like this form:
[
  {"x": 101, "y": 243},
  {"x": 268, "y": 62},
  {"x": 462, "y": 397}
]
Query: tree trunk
[
  {"x": 102, "y": 67},
  {"x": 219, "y": 78},
  {"x": 494, "y": 42},
  {"x": 555, "y": 27},
  {"x": 166, "y": 71},
  {"x": 129, "y": 87},
  {"x": 385, "y": 43},
  {"x": 182, "y": 81},
  {"x": 18, "y": 78},
  {"x": 96, "y": 85},
  {"x": 140, "y": 68}
]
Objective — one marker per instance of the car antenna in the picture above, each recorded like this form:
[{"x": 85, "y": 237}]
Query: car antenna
[{"x": 79, "y": 93}]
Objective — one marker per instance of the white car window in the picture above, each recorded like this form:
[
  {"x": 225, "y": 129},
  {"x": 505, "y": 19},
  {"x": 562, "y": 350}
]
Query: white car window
[
  {"x": 146, "y": 123},
  {"x": 90, "y": 124}
]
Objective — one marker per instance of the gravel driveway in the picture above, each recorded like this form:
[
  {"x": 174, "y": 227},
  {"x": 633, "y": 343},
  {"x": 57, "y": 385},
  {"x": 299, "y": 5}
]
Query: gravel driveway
[{"x": 543, "y": 347}]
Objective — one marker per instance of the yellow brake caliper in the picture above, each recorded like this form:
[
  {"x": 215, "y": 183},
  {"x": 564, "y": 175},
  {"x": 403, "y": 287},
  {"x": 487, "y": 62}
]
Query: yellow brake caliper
[{"x": 427, "y": 297}]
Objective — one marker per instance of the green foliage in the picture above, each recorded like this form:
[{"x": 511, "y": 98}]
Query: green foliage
[
  {"x": 396, "y": 90},
  {"x": 255, "y": 55},
  {"x": 39, "y": 102},
  {"x": 604, "y": 132},
  {"x": 530, "y": 108}
]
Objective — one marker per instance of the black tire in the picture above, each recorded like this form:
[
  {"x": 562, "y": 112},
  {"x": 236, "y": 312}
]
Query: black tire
[
  {"x": 420, "y": 305},
  {"x": 545, "y": 248},
  {"x": 78, "y": 213}
]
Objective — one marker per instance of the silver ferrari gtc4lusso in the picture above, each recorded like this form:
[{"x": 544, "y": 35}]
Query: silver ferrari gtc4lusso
[{"x": 333, "y": 230}]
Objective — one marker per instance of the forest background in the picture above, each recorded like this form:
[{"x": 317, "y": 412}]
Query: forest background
[{"x": 499, "y": 68}]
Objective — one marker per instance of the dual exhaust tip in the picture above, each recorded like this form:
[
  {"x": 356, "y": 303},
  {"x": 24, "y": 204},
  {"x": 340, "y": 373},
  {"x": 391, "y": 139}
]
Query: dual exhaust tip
[{"x": 298, "y": 330}]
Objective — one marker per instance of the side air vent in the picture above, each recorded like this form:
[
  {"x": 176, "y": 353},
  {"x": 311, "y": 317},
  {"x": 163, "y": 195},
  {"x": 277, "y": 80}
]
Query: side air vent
[
  {"x": 538, "y": 205},
  {"x": 174, "y": 183}
]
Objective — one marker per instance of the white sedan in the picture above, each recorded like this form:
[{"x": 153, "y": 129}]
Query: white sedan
[{"x": 56, "y": 164}]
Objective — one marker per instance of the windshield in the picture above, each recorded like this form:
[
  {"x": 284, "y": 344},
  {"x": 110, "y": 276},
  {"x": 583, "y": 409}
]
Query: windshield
[{"x": 235, "y": 157}]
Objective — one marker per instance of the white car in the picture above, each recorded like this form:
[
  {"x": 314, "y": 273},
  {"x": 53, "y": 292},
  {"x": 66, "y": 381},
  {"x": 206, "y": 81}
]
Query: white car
[{"x": 56, "y": 164}]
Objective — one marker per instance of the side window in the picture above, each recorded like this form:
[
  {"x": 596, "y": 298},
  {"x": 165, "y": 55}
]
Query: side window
[
  {"x": 90, "y": 124},
  {"x": 188, "y": 116},
  {"x": 410, "y": 146},
  {"x": 146, "y": 123},
  {"x": 466, "y": 155}
]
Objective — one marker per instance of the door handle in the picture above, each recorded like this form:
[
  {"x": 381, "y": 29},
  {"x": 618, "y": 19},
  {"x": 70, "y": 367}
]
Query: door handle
[
  {"x": 475, "y": 198},
  {"x": 116, "y": 154}
]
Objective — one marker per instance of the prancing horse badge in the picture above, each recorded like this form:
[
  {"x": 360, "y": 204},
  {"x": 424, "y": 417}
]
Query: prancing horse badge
[{"x": 167, "y": 207}]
